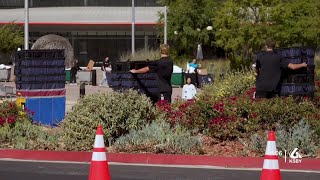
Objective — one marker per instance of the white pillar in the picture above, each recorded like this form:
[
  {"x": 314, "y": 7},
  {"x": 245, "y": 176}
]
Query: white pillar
[
  {"x": 132, "y": 29},
  {"x": 165, "y": 25},
  {"x": 26, "y": 25}
]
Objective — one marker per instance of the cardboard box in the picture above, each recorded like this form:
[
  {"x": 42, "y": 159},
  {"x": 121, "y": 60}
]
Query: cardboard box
[
  {"x": 90, "y": 65},
  {"x": 202, "y": 71}
]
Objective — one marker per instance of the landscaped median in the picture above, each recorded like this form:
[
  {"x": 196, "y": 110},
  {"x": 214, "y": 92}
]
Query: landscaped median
[
  {"x": 157, "y": 159},
  {"x": 222, "y": 121}
]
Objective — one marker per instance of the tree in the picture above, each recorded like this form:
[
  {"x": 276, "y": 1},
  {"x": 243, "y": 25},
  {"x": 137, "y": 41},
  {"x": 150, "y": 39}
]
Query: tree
[
  {"x": 11, "y": 37},
  {"x": 300, "y": 24},
  {"x": 244, "y": 25},
  {"x": 187, "y": 23}
]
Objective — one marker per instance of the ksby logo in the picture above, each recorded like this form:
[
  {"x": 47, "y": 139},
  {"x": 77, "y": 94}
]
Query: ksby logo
[{"x": 294, "y": 156}]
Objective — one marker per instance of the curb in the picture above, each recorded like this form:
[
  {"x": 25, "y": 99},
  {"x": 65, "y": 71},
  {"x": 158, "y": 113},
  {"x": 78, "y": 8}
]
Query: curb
[{"x": 157, "y": 159}]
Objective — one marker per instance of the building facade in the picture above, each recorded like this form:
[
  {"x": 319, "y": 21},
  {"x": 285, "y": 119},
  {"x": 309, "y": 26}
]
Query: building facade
[{"x": 95, "y": 28}]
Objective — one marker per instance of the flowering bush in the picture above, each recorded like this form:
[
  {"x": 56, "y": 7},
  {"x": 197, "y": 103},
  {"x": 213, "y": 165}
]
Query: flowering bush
[
  {"x": 192, "y": 114},
  {"x": 241, "y": 116},
  {"x": 233, "y": 114},
  {"x": 10, "y": 113},
  {"x": 226, "y": 110},
  {"x": 18, "y": 131}
]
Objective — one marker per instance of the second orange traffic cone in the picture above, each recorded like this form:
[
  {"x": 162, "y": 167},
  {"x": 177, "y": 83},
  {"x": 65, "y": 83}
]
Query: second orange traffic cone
[
  {"x": 99, "y": 169},
  {"x": 270, "y": 170}
]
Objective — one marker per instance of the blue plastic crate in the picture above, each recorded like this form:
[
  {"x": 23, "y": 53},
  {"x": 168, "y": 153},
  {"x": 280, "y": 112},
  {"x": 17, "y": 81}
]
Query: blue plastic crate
[{"x": 48, "y": 110}]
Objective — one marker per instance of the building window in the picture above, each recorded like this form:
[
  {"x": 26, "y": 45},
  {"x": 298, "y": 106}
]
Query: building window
[{"x": 6, "y": 4}]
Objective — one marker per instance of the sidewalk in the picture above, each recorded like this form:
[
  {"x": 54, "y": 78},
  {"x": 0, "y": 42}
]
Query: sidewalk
[{"x": 73, "y": 92}]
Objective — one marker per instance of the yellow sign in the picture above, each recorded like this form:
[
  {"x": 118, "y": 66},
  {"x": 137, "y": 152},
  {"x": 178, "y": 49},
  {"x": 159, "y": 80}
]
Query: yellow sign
[{"x": 21, "y": 103}]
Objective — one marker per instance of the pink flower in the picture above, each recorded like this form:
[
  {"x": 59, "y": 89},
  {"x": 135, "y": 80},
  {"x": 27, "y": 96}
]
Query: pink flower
[
  {"x": 254, "y": 115},
  {"x": 2, "y": 121},
  {"x": 219, "y": 107}
]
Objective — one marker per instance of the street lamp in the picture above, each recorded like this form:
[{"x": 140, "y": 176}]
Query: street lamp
[
  {"x": 26, "y": 25},
  {"x": 199, "y": 47},
  {"x": 165, "y": 24},
  {"x": 132, "y": 29}
]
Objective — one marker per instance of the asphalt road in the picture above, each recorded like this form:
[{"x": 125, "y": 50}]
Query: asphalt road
[{"x": 10, "y": 170}]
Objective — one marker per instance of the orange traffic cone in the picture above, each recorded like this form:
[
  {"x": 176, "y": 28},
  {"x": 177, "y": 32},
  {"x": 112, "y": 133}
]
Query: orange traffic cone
[
  {"x": 270, "y": 170},
  {"x": 99, "y": 169}
]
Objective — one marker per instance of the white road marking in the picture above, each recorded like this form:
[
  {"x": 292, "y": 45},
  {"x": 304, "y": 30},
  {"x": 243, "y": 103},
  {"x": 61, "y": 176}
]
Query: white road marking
[{"x": 161, "y": 165}]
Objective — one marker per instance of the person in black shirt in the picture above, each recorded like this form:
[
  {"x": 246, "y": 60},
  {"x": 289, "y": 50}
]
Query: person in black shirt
[
  {"x": 164, "y": 70},
  {"x": 106, "y": 68},
  {"x": 75, "y": 68},
  {"x": 269, "y": 66}
]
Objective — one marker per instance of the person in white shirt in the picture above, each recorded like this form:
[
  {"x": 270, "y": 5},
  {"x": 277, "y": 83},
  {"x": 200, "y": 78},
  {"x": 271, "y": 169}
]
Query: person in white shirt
[{"x": 189, "y": 91}]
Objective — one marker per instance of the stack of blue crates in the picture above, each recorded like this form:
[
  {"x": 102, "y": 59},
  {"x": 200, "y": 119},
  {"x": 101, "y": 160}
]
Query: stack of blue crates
[
  {"x": 121, "y": 79},
  {"x": 298, "y": 82},
  {"x": 40, "y": 77}
]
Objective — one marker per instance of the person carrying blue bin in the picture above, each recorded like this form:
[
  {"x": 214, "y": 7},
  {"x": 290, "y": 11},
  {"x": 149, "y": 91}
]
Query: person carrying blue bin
[
  {"x": 269, "y": 66},
  {"x": 164, "y": 70}
]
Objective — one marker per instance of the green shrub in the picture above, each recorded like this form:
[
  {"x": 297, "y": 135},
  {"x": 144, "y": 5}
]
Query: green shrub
[
  {"x": 117, "y": 112},
  {"x": 25, "y": 135},
  {"x": 232, "y": 84},
  {"x": 158, "y": 137},
  {"x": 299, "y": 136},
  {"x": 258, "y": 142}
]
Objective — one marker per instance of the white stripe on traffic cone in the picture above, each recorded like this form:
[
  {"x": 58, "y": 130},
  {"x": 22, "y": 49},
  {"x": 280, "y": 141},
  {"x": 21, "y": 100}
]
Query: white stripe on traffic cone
[
  {"x": 270, "y": 164},
  {"x": 99, "y": 142}
]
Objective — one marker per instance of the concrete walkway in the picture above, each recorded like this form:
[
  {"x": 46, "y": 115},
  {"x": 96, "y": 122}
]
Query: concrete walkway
[{"x": 73, "y": 92}]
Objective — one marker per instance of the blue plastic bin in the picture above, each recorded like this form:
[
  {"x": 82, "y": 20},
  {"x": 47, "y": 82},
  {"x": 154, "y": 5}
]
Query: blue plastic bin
[{"x": 48, "y": 110}]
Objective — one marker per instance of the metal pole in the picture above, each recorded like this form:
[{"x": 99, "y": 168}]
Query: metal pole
[
  {"x": 165, "y": 25},
  {"x": 26, "y": 25},
  {"x": 132, "y": 29}
]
